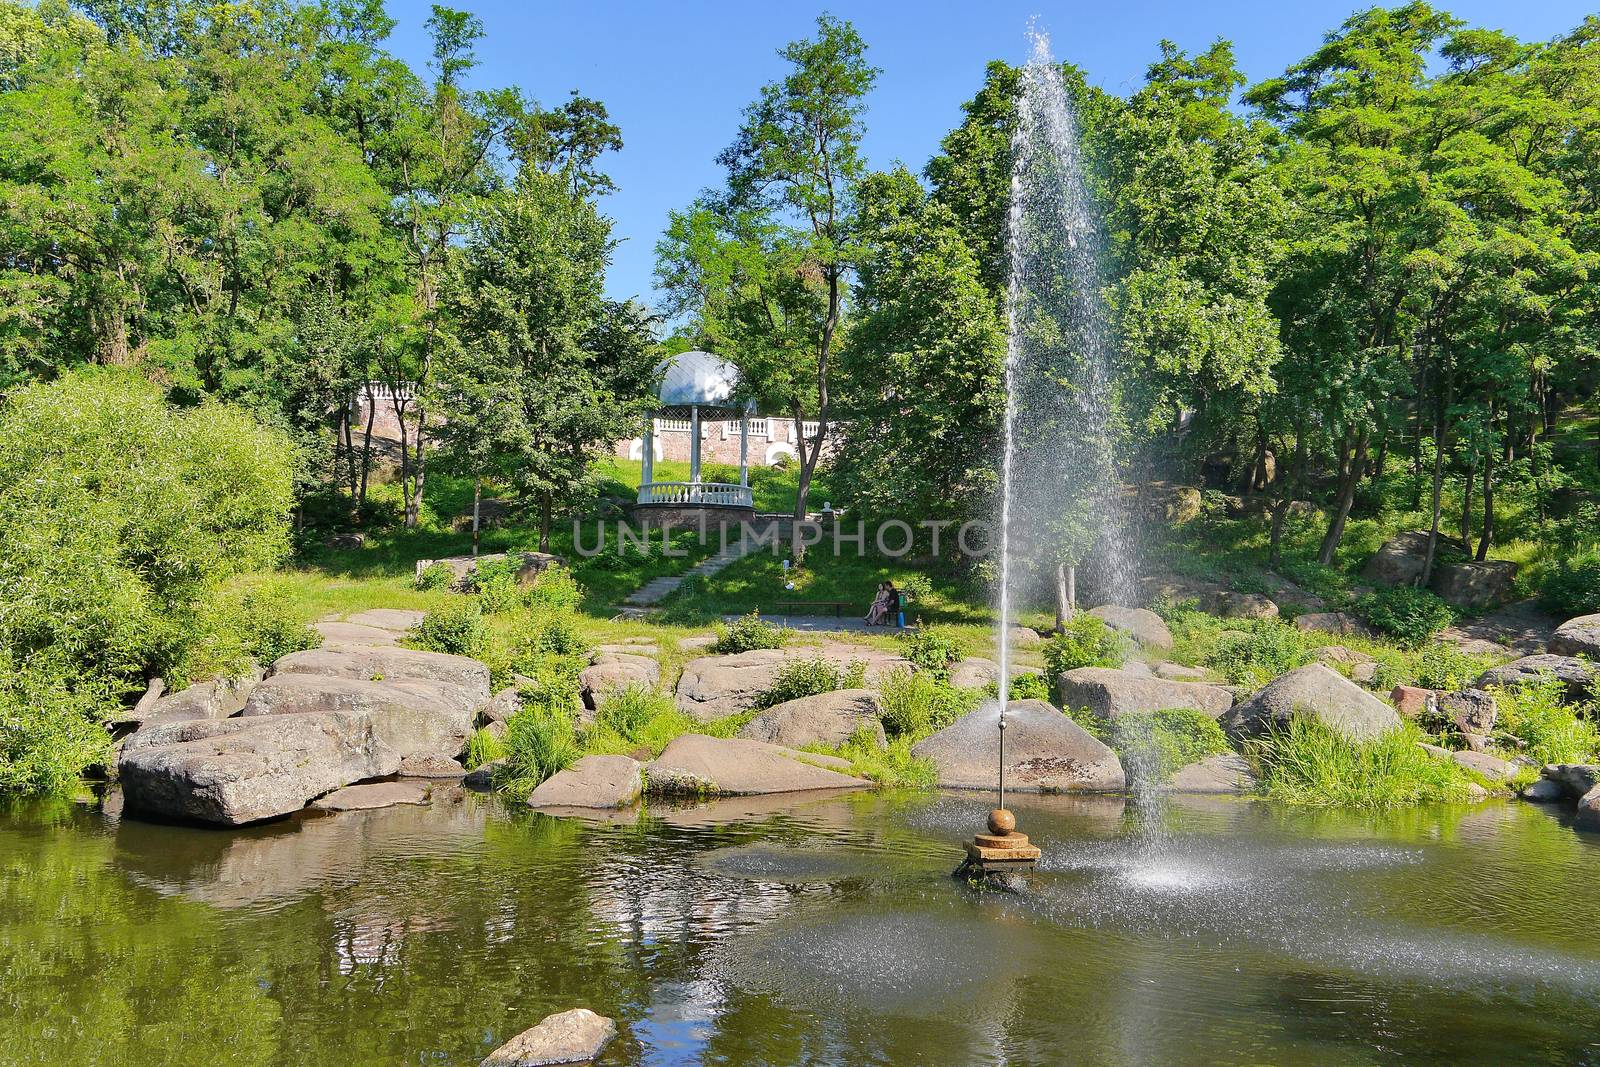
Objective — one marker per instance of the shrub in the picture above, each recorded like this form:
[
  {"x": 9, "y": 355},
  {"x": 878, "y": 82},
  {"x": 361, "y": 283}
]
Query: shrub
[
  {"x": 916, "y": 586},
  {"x": 627, "y": 711},
  {"x": 1550, "y": 730},
  {"x": 809, "y": 677},
  {"x": 1410, "y": 616},
  {"x": 1309, "y": 763},
  {"x": 1442, "y": 665},
  {"x": 1266, "y": 650},
  {"x": 892, "y": 766},
  {"x": 454, "y": 628},
  {"x": 483, "y": 747},
  {"x": 539, "y": 743},
  {"x": 914, "y": 704},
  {"x": 495, "y": 582},
  {"x": 1085, "y": 641},
  {"x": 748, "y": 633},
  {"x": 271, "y": 628},
  {"x": 50, "y": 726},
  {"x": 436, "y": 576},
  {"x": 1027, "y": 687},
  {"x": 1573, "y": 587},
  {"x": 555, "y": 590},
  {"x": 931, "y": 649},
  {"x": 1154, "y": 744}
]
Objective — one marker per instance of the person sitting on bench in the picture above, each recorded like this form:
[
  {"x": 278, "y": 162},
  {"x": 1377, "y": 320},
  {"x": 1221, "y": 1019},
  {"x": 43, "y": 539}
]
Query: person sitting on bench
[{"x": 884, "y": 606}]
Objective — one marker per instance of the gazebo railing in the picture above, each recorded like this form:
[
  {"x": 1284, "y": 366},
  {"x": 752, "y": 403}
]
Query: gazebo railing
[{"x": 728, "y": 493}]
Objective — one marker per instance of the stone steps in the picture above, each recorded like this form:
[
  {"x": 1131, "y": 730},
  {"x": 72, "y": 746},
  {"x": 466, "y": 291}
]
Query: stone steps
[{"x": 658, "y": 589}]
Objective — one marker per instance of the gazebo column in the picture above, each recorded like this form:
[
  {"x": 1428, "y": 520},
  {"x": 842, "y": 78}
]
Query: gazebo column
[
  {"x": 694, "y": 450},
  {"x": 647, "y": 457},
  {"x": 744, "y": 450}
]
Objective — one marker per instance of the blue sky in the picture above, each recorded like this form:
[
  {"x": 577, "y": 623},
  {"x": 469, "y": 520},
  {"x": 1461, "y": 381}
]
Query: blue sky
[{"x": 676, "y": 76}]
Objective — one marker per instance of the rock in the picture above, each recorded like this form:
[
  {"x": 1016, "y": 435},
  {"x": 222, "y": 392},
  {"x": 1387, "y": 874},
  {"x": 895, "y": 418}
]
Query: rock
[
  {"x": 1110, "y": 693},
  {"x": 1579, "y": 678},
  {"x": 711, "y": 687},
  {"x": 825, "y": 719},
  {"x": 1337, "y": 654},
  {"x": 1401, "y": 559},
  {"x": 697, "y": 765},
  {"x": 1137, "y": 668},
  {"x": 1046, "y": 752},
  {"x": 1025, "y": 637},
  {"x": 1176, "y": 504},
  {"x": 1142, "y": 624},
  {"x": 372, "y": 795},
  {"x": 1365, "y": 673},
  {"x": 529, "y": 565},
  {"x": 1317, "y": 691},
  {"x": 591, "y": 782},
  {"x": 501, "y": 706},
  {"x": 1434, "y": 750},
  {"x": 1410, "y": 700},
  {"x": 339, "y": 634},
  {"x": 697, "y": 642},
  {"x": 1333, "y": 622},
  {"x": 1575, "y": 779},
  {"x": 1231, "y": 605},
  {"x": 974, "y": 672},
  {"x": 1542, "y": 791},
  {"x": 415, "y": 718},
  {"x": 397, "y": 619},
  {"x": 1224, "y": 773},
  {"x": 216, "y": 699},
  {"x": 1578, "y": 637},
  {"x": 1476, "y": 791},
  {"x": 240, "y": 770},
  {"x": 1177, "y": 672},
  {"x": 1587, "y": 816},
  {"x": 481, "y": 777},
  {"x": 1492, "y": 767},
  {"x": 616, "y": 670},
  {"x": 575, "y": 1036},
  {"x": 1472, "y": 711},
  {"x": 1475, "y": 584},
  {"x": 431, "y": 765},
  {"x": 390, "y": 665}
]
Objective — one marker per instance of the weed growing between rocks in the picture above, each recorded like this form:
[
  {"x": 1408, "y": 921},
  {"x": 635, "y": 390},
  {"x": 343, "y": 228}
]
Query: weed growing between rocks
[
  {"x": 892, "y": 766},
  {"x": 1308, "y": 763},
  {"x": 1548, "y": 729},
  {"x": 915, "y": 705},
  {"x": 810, "y": 677},
  {"x": 748, "y": 633},
  {"x": 1085, "y": 641},
  {"x": 1410, "y": 616},
  {"x": 931, "y": 649},
  {"x": 1153, "y": 745},
  {"x": 540, "y": 741}
]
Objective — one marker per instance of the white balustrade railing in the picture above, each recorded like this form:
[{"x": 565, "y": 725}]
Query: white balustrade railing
[{"x": 727, "y": 493}]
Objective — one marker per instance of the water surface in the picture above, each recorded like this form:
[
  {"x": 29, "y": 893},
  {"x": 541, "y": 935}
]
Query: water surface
[{"x": 824, "y": 930}]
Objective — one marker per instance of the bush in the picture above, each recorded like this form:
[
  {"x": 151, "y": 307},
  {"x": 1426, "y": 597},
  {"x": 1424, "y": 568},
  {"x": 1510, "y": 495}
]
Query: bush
[
  {"x": 271, "y": 627},
  {"x": 555, "y": 590},
  {"x": 748, "y": 633},
  {"x": 809, "y": 677},
  {"x": 915, "y": 705},
  {"x": 627, "y": 711},
  {"x": 436, "y": 576},
  {"x": 495, "y": 583},
  {"x": 892, "y": 766},
  {"x": 1410, "y": 616},
  {"x": 539, "y": 743},
  {"x": 1550, "y": 730},
  {"x": 1573, "y": 587},
  {"x": 1266, "y": 650},
  {"x": 1442, "y": 665},
  {"x": 1085, "y": 641},
  {"x": 454, "y": 628},
  {"x": 1153, "y": 745},
  {"x": 916, "y": 586},
  {"x": 1307, "y": 762},
  {"x": 1026, "y": 687},
  {"x": 50, "y": 726},
  {"x": 931, "y": 649}
]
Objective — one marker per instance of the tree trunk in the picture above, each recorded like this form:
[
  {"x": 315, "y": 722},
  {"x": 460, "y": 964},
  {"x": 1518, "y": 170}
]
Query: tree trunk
[
  {"x": 1438, "y": 495},
  {"x": 544, "y": 522},
  {"x": 1066, "y": 593},
  {"x": 1351, "y": 468},
  {"x": 1488, "y": 499},
  {"x": 366, "y": 447},
  {"x": 1466, "y": 503},
  {"x": 477, "y": 513},
  {"x": 420, "y": 467}
]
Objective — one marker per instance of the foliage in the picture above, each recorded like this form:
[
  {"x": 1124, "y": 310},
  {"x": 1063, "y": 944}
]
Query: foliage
[
  {"x": 1445, "y": 666},
  {"x": 50, "y": 726},
  {"x": 931, "y": 649},
  {"x": 637, "y": 716},
  {"x": 1084, "y": 641},
  {"x": 1261, "y": 652},
  {"x": 748, "y": 633},
  {"x": 436, "y": 575},
  {"x": 554, "y": 590},
  {"x": 810, "y": 677},
  {"x": 1025, "y": 687},
  {"x": 1549, "y": 729},
  {"x": 271, "y": 626},
  {"x": 1573, "y": 586},
  {"x": 1153, "y": 745},
  {"x": 455, "y": 628},
  {"x": 915, "y": 704},
  {"x": 1312, "y": 764},
  {"x": 1412, "y": 616},
  {"x": 891, "y": 766},
  {"x": 483, "y": 747},
  {"x": 539, "y": 742},
  {"x": 495, "y": 583}
]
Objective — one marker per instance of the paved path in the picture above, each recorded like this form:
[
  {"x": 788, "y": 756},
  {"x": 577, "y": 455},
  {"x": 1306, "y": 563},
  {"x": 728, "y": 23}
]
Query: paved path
[{"x": 656, "y": 590}]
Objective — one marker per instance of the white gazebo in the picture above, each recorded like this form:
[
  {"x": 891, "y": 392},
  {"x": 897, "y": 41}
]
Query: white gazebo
[{"x": 693, "y": 385}]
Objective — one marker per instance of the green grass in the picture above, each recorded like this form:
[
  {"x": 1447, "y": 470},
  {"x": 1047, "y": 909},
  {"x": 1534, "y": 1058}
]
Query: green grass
[{"x": 1307, "y": 763}]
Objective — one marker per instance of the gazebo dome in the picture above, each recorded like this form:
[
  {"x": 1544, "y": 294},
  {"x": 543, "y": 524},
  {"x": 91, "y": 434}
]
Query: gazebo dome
[{"x": 696, "y": 379}]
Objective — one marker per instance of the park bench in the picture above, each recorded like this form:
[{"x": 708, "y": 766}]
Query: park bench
[{"x": 813, "y": 607}]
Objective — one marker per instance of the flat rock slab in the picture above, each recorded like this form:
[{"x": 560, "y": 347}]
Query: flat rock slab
[
  {"x": 1046, "y": 752},
  {"x": 1320, "y": 692},
  {"x": 1224, "y": 773},
  {"x": 415, "y": 718},
  {"x": 1111, "y": 693},
  {"x": 335, "y": 634},
  {"x": 233, "y": 771},
  {"x": 397, "y": 619},
  {"x": 390, "y": 665},
  {"x": 372, "y": 795},
  {"x": 824, "y": 719},
  {"x": 575, "y": 1036},
  {"x": 591, "y": 782},
  {"x": 712, "y": 687},
  {"x": 697, "y": 765}
]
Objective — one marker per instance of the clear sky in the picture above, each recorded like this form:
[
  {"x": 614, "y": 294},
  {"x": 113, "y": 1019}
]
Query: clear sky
[{"x": 675, "y": 76}]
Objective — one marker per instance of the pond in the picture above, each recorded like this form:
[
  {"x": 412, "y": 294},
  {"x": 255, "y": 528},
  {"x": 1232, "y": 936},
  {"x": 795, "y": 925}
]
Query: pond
[{"x": 805, "y": 930}]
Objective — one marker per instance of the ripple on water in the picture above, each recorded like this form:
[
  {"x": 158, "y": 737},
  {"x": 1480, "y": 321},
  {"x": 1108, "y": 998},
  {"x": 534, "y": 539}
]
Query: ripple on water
[{"x": 790, "y": 866}]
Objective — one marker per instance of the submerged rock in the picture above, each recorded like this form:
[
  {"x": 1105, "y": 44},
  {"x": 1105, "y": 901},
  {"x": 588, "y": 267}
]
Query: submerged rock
[
  {"x": 1317, "y": 691},
  {"x": 824, "y": 719},
  {"x": 591, "y": 782},
  {"x": 1227, "y": 772},
  {"x": 697, "y": 765},
  {"x": 1046, "y": 752},
  {"x": 575, "y": 1036},
  {"x": 372, "y": 795},
  {"x": 1110, "y": 693}
]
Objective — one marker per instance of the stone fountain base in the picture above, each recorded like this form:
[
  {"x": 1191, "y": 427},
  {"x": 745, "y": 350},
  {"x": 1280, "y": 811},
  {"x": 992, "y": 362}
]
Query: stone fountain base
[{"x": 999, "y": 853}]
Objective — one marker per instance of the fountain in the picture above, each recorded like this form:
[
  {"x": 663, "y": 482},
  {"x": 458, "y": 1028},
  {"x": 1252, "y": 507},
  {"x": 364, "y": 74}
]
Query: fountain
[{"x": 1058, "y": 498}]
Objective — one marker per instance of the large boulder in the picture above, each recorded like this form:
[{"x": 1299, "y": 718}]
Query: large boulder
[
  {"x": 529, "y": 565},
  {"x": 1587, "y": 815},
  {"x": 1576, "y": 676},
  {"x": 711, "y": 687},
  {"x": 414, "y": 718},
  {"x": 1317, "y": 691},
  {"x": 1141, "y": 624},
  {"x": 1491, "y": 767},
  {"x": 390, "y": 665},
  {"x": 1110, "y": 693},
  {"x": 1475, "y": 583},
  {"x": 575, "y": 1036},
  {"x": 974, "y": 672},
  {"x": 216, "y": 699},
  {"x": 824, "y": 719},
  {"x": 616, "y": 670},
  {"x": 1471, "y": 711},
  {"x": 1401, "y": 559},
  {"x": 1578, "y": 637},
  {"x": 591, "y": 782},
  {"x": 240, "y": 770},
  {"x": 1333, "y": 622},
  {"x": 1231, "y": 605},
  {"x": 1046, "y": 752},
  {"x": 1224, "y": 773},
  {"x": 697, "y": 765},
  {"x": 1575, "y": 779}
]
